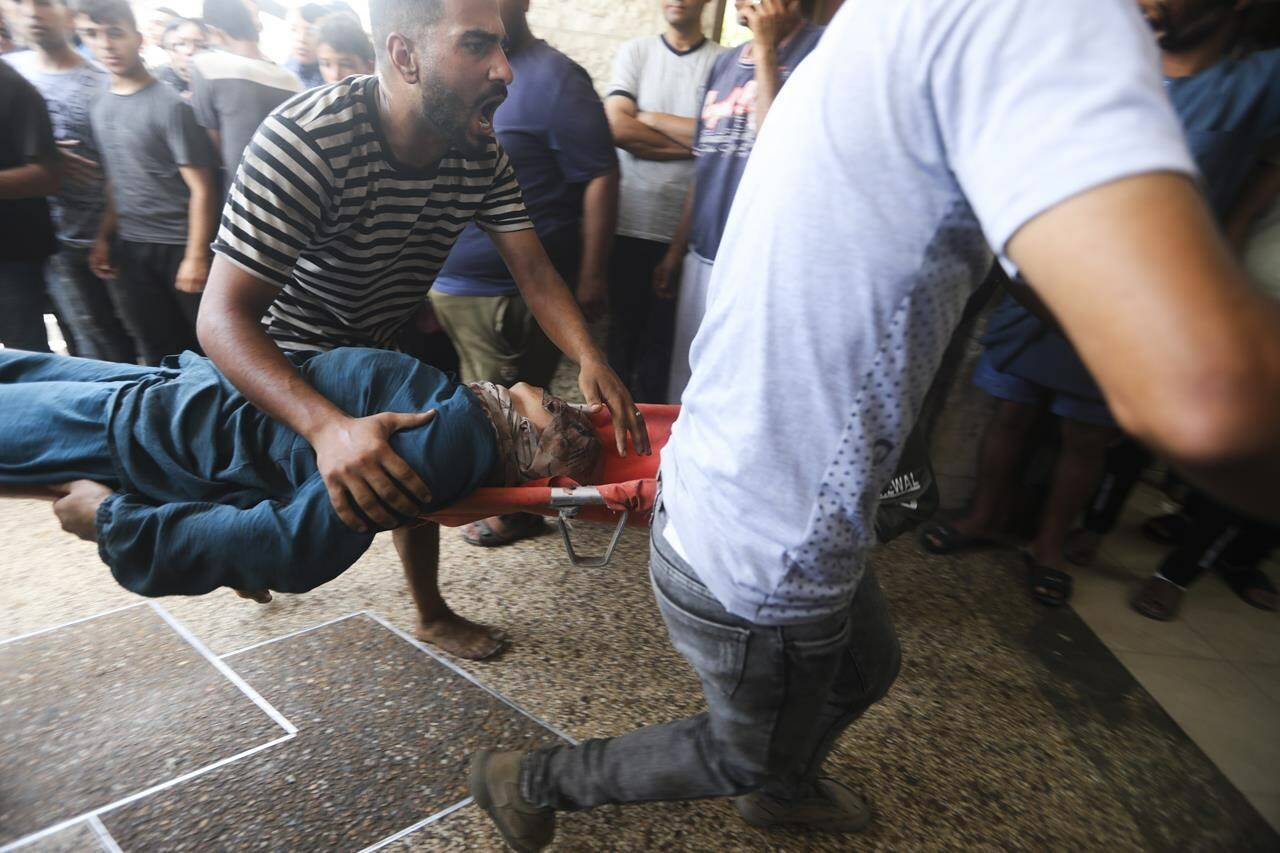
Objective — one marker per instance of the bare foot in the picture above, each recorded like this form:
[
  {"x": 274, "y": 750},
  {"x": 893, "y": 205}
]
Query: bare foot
[
  {"x": 261, "y": 596},
  {"x": 77, "y": 510},
  {"x": 461, "y": 637}
]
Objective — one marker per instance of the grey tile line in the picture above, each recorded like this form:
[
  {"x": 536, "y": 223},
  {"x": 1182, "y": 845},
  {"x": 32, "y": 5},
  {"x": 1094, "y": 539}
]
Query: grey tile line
[
  {"x": 146, "y": 792},
  {"x": 290, "y": 635},
  {"x": 109, "y": 843},
  {"x": 392, "y": 839},
  {"x": 222, "y": 667},
  {"x": 423, "y": 647},
  {"x": 72, "y": 622}
]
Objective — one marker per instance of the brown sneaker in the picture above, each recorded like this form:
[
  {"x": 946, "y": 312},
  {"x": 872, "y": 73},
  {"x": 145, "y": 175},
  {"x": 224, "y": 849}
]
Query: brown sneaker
[
  {"x": 495, "y": 785},
  {"x": 832, "y": 808}
]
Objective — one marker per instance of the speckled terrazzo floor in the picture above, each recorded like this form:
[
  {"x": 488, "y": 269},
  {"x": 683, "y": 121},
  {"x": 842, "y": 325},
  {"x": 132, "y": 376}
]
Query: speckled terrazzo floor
[{"x": 1011, "y": 726}]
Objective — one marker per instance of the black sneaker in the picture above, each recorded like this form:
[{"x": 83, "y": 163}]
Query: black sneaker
[
  {"x": 832, "y": 808},
  {"x": 495, "y": 785}
]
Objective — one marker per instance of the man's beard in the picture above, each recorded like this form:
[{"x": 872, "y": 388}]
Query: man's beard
[
  {"x": 1199, "y": 27},
  {"x": 452, "y": 117}
]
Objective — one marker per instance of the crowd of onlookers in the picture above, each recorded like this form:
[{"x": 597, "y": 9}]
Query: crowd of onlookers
[
  {"x": 116, "y": 159},
  {"x": 1222, "y": 74},
  {"x": 140, "y": 129}
]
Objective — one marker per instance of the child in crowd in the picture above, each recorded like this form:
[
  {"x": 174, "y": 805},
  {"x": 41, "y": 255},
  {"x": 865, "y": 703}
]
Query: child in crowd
[
  {"x": 162, "y": 202},
  {"x": 343, "y": 48}
]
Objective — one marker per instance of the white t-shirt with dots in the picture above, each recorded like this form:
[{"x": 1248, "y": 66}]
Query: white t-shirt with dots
[{"x": 917, "y": 135}]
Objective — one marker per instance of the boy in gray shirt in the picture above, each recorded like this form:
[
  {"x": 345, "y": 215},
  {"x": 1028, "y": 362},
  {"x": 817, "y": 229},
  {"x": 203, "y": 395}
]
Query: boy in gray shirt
[{"x": 161, "y": 199}]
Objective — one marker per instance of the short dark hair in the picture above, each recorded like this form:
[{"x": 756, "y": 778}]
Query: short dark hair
[
  {"x": 182, "y": 22},
  {"x": 312, "y": 12},
  {"x": 106, "y": 12},
  {"x": 341, "y": 7},
  {"x": 345, "y": 35},
  {"x": 404, "y": 16},
  {"x": 165, "y": 10},
  {"x": 232, "y": 17}
]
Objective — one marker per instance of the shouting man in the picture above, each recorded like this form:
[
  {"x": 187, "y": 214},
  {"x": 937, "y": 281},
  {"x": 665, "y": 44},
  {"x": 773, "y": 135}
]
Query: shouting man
[{"x": 343, "y": 210}]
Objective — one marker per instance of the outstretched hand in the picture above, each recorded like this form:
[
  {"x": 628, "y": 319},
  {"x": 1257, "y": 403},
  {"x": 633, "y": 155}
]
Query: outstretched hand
[
  {"x": 362, "y": 472},
  {"x": 603, "y": 389}
]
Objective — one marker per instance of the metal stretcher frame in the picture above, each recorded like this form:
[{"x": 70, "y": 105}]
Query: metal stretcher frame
[{"x": 625, "y": 495}]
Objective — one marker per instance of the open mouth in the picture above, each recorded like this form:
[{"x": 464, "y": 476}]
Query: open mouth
[{"x": 485, "y": 118}]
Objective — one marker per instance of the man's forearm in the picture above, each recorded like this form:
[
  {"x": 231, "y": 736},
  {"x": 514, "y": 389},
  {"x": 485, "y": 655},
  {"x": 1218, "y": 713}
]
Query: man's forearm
[
  {"x": 232, "y": 335},
  {"x": 1142, "y": 253},
  {"x": 548, "y": 298},
  {"x": 768, "y": 82},
  {"x": 680, "y": 239},
  {"x": 678, "y": 128},
  {"x": 559, "y": 316},
  {"x": 253, "y": 363},
  {"x": 107, "y": 227},
  {"x": 599, "y": 221},
  {"x": 34, "y": 180},
  {"x": 640, "y": 140},
  {"x": 1261, "y": 190},
  {"x": 202, "y": 219}
]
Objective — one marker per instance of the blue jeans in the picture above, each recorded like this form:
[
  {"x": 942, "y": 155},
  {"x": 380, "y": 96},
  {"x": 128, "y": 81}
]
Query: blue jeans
[
  {"x": 22, "y": 306},
  {"x": 53, "y": 417},
  {"x": 777, "y": 699},
  {"x": 84, "y": 304}
]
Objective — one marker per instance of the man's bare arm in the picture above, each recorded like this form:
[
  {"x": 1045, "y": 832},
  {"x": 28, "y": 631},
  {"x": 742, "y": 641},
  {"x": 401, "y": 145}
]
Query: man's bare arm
[
  {"x": 202, "y": 221},
  {"x": 100, "y": 255},
  {"x": 768, "y": 20},
  {"x": 552, "y": 305},
  {"x": 358, "y": 465},
  {"x": 666, "y": 276},
  {"x": 1186, "y": 352},
  {"x": 634, "y": 137},
  {"x": 215, "y": 137},
  {"x": 678, "y": 128},
  {"x": 1260, "y": 191},
  {"x": 599, "y": 221},
  {"x": 33, "y": 180}
]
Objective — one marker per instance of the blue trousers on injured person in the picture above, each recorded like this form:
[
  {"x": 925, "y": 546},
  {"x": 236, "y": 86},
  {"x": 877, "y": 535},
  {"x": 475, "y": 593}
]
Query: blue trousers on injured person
[{"x": 200, "y": 489}]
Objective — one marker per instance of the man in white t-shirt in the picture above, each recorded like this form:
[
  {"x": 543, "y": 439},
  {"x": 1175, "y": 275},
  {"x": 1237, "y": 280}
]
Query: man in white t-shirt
[
  {"x": 653, "y": 102},
  {"x": 918, "y": 136}
]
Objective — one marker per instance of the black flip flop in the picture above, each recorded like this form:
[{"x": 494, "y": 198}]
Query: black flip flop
[
  {"x": 940, "y": 537},
  {"x": 1158, "y": 599},
  {"x": 1048, "y": 585}
]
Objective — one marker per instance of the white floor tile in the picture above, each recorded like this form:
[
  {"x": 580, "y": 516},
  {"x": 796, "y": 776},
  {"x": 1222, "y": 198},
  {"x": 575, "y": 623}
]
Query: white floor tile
[{"x": 1227, "y": 716}]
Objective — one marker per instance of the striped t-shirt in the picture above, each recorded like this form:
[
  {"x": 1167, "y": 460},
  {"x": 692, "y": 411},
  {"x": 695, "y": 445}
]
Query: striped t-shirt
[{"x": 321, "y": 210}]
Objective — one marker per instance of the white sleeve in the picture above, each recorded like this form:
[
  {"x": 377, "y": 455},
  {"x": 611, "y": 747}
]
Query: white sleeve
[
  {"x": 625, "y": 79},
  {"x": 1037, "y": 102}
]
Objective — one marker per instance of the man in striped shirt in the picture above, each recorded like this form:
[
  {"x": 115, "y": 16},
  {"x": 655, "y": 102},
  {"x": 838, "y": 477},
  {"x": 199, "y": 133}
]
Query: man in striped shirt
[{"x": 343, "y": 210}]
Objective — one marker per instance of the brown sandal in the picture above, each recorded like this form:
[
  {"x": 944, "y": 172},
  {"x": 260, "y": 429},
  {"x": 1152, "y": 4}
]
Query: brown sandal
[
  {"x": 516, "y": 526},
  {"x": 1158, "y": 599}
]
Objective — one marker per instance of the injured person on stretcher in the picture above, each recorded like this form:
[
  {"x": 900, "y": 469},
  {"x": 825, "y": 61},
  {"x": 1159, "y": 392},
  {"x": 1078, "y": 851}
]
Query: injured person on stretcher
[{"x": 187, "y": 487}]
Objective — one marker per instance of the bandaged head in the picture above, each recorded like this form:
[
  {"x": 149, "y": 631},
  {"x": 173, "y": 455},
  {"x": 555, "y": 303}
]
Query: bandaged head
[{"x": 567, "y": 447}]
